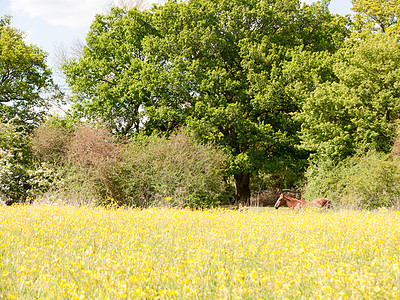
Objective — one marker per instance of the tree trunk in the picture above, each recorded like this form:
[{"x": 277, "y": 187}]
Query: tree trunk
[{"x": 242, "y": 185}]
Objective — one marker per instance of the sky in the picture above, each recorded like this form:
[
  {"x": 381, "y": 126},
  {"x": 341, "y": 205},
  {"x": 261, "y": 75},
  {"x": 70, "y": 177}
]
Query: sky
[{"x": 57, "y": 24}]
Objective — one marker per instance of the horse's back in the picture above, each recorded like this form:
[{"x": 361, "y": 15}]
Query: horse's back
[{"x": 323, "y": 202}]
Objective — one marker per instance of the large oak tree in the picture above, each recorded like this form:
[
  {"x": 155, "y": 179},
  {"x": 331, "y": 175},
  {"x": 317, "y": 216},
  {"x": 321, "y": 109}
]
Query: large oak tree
[
  {"x": 221, "y": 64},
  {"x": 214, "y": 66}
]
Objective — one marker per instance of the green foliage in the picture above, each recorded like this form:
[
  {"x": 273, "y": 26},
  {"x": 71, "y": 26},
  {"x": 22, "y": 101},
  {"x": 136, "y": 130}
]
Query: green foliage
[
  {"x": 358, "y": 113},
  {"x": 107, "y": 79},
  {"x": 15, "y": 163},
  {"x": 305, "y": 70},
  {"x": 26, "y": 86},
  {"x": 175, "y": 172},
  {"x": 12, "y": 179},
  {"x": 367, "y": 181},
  {"x": 376, "y": 15},
  {"x": 222, "y": 61},
  {"x": 42, "y": 179}
]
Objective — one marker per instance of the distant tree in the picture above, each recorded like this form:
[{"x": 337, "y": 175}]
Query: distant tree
[
  {"x": 26, "y": 86},
  {"x": 377, "y": 15}
]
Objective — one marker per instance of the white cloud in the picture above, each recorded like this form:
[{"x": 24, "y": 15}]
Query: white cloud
[{"x": 67, "y": 13}]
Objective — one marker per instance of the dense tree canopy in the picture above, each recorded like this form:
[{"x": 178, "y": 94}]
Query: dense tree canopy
[
  {"x": 361, "y": 110},
  {"x": 26, "y": 86},
  {"x": 223, "y": 61}
]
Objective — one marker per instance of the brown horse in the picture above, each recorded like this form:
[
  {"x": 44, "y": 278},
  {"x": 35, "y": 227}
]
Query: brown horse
[{"x": 296, "y": 203}]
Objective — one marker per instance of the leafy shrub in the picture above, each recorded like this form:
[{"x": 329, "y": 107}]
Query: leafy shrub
[
  {"x": 73, "y": 162},
  {"x": 368, "y": 181},
  {"x": 91, "y": 155},
  {"x": 88, "y": 166},
  {"x": 13, "y": 179},
  {"x": 15, "y": 163},
  {"x": 50, "y": 141},
  {"x": 174, "y": 172},
  {"x": 42, "y": 179}
]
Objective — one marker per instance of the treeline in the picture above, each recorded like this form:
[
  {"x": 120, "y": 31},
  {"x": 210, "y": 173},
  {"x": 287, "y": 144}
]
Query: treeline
[
  {"x": 199, "y": 102},
  {"x": 86, "y": 165}
]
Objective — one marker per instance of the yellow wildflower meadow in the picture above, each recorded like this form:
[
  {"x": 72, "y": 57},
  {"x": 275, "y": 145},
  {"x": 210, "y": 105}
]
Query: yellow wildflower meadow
[{"x": 66, "y": 252}]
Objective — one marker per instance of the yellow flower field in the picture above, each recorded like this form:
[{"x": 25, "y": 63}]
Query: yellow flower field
[{"x": 65, "y": 252}]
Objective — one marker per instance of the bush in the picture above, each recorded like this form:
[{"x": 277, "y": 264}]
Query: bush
[
  {"x": 88, "y": 166},
  {"x": 367, "y": 181},
  {"x": 50, "y": 141},
  {"x": 174, "y": 172},
  {"x": 43, "y": 179},
  {"x": 91, "y": 155},
  {"x": 74, "y": 163},
  {"x": 15, "y": 163},
  {"x": 92, "y": 148}
]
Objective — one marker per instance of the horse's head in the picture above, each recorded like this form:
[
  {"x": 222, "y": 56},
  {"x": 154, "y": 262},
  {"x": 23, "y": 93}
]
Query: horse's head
[{"x": 281, "y": 201}]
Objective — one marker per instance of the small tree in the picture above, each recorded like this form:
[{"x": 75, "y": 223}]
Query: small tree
[{"x": 26, "y": 87}]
